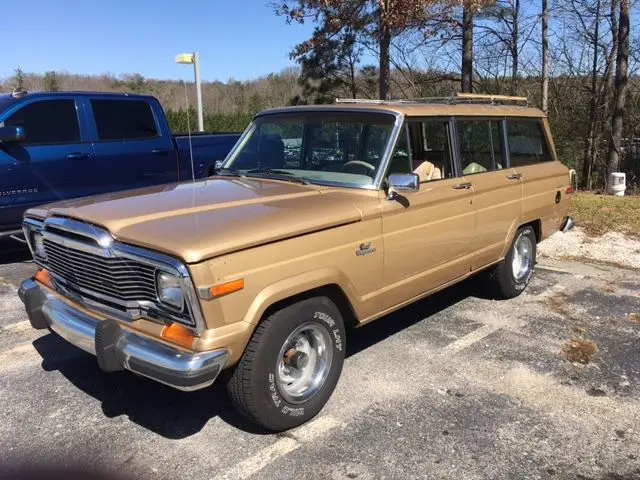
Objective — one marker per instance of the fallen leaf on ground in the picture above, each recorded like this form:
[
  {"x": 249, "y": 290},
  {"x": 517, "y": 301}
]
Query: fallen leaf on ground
[{"x": 580, "y": 350}]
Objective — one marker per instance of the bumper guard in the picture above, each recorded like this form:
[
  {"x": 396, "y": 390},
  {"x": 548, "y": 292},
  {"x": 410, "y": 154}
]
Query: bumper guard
[{"x": 117, "y": 348}]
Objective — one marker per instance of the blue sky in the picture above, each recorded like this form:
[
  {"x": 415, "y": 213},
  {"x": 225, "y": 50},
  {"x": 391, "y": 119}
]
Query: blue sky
[{"x": 239, "y": 39}]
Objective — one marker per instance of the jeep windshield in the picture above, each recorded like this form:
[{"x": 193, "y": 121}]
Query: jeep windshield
[{"x": 332, "y": 148}]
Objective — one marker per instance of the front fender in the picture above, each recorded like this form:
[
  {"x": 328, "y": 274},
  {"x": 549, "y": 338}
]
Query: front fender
[{"x": 299, "y": 284}]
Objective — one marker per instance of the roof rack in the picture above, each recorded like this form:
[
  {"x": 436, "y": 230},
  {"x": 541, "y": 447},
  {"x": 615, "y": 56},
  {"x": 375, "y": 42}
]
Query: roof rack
[{"x": 452, "y": 100}]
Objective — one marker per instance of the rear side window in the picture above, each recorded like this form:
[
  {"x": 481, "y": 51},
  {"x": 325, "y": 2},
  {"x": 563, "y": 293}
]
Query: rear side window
[
  {"x": 527, "y": 143},
  {"x": 430, "y": 149},
  {"x": 480, "y": 146},
  {"x": 47, "y": 122},
  {"x": 123, "y": 119}
]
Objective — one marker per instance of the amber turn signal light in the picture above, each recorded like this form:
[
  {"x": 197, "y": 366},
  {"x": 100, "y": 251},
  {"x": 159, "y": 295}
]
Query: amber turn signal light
[
  {"x": 176, "y": 333},
  {"x": 227, "y": 288},
  {"x": 44, "y": 277}
]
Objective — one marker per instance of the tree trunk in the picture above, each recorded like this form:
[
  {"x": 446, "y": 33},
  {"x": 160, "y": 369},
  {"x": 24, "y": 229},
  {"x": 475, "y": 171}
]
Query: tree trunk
[
  {"x": 467, "y": 49},
  {"x": 545, "y": 57},
  {"x": 603, "y": 127},
  {"x": 385, "y": 62},
  {"x": 622, "y": 77},
  {"x": 514, "y": 47},
  {"x": 587, "y": 164}
]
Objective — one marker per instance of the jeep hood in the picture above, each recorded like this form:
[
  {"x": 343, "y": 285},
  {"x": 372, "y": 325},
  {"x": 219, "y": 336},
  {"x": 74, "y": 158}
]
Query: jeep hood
[{"x": 207, "y": 218}]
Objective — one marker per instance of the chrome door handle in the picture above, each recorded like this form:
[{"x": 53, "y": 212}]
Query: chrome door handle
[
  {"x": 77, "y": 156},
  {"x": 462, "y": 186},
  {"x": 159, "y": 151},
  {"x": 515, "y": 176}
]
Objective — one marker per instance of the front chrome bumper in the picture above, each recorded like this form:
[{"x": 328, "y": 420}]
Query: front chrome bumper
[{"x": 117, "y": 348}]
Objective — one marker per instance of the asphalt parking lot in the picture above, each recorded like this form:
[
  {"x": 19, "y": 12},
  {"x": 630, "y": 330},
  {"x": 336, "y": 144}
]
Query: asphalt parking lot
[{"x": 455, "y": 386}]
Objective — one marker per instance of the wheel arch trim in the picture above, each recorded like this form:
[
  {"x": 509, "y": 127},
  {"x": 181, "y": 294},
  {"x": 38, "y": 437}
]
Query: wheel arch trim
[{"x": 327, "y": 281}]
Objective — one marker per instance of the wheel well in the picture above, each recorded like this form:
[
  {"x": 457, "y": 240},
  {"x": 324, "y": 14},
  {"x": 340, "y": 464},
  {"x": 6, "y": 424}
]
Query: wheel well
[
  {"x": 537, "y": 228},
  {"x": 333, "y": 291}
]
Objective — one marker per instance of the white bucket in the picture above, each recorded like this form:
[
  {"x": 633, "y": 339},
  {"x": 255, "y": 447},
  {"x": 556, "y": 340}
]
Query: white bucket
[{"x": 617, "y": 184}]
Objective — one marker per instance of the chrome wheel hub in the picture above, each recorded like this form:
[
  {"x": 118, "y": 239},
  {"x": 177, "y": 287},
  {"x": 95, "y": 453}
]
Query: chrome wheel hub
[
  {"x": 521, "y": 264},
  {"x": 304, "y": 362}
]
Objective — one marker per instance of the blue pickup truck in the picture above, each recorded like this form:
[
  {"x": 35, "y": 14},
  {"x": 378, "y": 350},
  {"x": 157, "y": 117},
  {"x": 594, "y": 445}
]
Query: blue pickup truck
[{"x": 59, "y": 145}]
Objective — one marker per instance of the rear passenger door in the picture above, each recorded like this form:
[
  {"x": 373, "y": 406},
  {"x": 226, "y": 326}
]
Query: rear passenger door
[
  {"x": 129, "y": 147},
  {"x": 544, "y": 180},
  {"x": 427, "y": 234},
  {"x": 497, "y": 188}
]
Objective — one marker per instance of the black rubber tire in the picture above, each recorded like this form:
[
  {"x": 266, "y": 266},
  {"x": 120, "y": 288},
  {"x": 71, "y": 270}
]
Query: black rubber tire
[
  {"x": 252, "y": 387},
  {"x": 502, "y": 284}
]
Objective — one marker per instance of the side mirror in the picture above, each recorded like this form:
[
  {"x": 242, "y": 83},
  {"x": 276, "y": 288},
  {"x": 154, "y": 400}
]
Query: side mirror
[
  {"x": 402, "y": 183},
  {"x": 12, "y": 134}
]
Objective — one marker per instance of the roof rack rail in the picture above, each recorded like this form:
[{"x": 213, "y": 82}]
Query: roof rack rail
[
  {"x": 490, "y": 97},
  {"x": 452, "y": 100}
]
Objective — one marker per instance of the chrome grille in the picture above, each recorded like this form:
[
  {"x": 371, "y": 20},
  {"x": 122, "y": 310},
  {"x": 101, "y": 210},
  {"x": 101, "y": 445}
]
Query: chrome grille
[
  {"x": 124, "y": 280},
  {"x": 91, "y": 267}
]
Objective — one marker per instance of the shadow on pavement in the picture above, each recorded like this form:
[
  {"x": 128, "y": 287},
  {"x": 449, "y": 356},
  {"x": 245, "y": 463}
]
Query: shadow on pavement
[
  {"x": 174, "y": 414},
  {"x": 12, "y": 251},
  {"x": 58, "y": 472},
  {"x": 161, "y": 409},
  {"x": 370, "y": 334}
]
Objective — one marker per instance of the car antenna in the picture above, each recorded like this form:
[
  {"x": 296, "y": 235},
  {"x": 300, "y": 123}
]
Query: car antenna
[{"x": 186, "y": 97}]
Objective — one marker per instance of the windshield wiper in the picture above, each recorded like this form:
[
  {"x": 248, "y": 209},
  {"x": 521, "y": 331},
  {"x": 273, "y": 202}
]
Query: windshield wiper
[
  {"x": 230, "y": 172},
  {"x": 276, "y": 174},
  {"x": 269, "y": 170}
]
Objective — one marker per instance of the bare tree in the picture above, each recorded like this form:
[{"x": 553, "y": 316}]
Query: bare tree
[
  {"x": 621, "y": 81},
  {"x": 545, "y": 57},
  {"x": 593, "y": 105},
  {"x": 467, "y": 48}
]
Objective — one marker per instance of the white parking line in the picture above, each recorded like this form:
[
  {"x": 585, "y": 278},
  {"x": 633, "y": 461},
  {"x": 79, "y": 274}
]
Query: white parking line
[
  {"x": 471, "y": 338},
  {"x": 267, "y": 455}
]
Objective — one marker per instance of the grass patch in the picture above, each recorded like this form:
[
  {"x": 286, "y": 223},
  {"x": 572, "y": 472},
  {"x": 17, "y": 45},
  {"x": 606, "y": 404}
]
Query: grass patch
[{"x": 599, "y": 214}]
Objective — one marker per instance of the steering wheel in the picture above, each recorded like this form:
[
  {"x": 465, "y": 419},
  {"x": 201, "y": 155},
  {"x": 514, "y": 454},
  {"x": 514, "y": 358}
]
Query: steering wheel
[{"x": 359, "y": 163}]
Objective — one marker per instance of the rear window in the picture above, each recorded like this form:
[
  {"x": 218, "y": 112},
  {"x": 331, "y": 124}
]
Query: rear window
[
  {"x": 527, "y": 143},
  {"x": 124, "y": 119}
]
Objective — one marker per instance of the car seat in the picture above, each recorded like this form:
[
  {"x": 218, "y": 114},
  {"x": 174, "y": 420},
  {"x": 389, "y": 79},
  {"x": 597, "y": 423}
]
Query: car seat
[
  {"x": 473, "y": 168},
  {"x": 427, "y": 171}
]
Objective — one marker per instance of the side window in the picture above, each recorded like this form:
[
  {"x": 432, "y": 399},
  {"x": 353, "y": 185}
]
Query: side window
[
  {"x": 527, "y": 143},
  {"x": 47, "y": 122},
  {"x": 431, "y": 149},
  {"x": 480, "y": 146},
  {"x": 123, "y": 119}
]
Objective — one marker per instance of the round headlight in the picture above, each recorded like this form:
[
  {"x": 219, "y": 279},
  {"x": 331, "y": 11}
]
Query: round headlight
[
  {"x": 170, "y": 290},
  {"x": 38, "y": 246}
]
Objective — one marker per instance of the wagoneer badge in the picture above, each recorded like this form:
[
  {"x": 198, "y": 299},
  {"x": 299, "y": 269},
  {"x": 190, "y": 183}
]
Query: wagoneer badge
[{"x": 365, "y": 249}]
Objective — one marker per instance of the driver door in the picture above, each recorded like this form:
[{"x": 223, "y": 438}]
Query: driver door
[
  {"x": 52, "y": 163},
  {"x": 427, "y": 234}
]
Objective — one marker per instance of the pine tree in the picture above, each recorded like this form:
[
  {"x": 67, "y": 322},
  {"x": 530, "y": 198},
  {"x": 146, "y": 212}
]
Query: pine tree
[{"x": 51, "y": 82}]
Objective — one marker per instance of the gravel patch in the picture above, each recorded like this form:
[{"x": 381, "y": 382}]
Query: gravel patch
[{"x": 613, "y": 248}]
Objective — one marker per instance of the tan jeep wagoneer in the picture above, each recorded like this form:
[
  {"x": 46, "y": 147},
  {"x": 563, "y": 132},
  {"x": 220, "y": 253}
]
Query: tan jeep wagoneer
[{"x": 321, "y": 218}]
